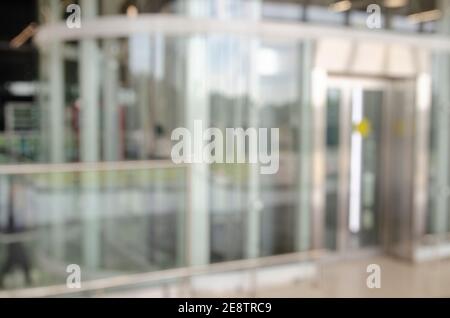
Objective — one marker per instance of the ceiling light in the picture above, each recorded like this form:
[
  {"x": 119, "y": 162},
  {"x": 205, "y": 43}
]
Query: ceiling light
[
  {"x": 132, "y": 11},
  {"x": 426, "y": 16},
  {"x": 395, "y": 3},
  {"x": 341, "y": 6}
]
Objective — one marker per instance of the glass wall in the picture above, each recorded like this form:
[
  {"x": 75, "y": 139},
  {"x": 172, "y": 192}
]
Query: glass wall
[{"x": 118, "y": 99}]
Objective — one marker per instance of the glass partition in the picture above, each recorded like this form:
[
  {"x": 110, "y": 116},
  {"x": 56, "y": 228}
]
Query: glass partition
[{"x": 109, "y": 222}]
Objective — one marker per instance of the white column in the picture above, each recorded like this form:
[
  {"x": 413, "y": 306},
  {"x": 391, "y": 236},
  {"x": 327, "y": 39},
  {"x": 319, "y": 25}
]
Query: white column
[
  {"x": 90, "y": 147},
  {"x": 197, "y": 108}
]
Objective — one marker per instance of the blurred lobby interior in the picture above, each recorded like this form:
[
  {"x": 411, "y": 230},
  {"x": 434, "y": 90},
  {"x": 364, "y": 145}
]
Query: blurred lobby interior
[{"x": 360, "y": 93}]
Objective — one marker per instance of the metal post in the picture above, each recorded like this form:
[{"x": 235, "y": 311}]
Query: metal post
[
  {"x": 255, "y": 206},
  {"x": 303, "y": 220},
  {"x": 441, "y": 69},
  {"x": 56, "y": 132},
  {"x": 90, "y": 146}
]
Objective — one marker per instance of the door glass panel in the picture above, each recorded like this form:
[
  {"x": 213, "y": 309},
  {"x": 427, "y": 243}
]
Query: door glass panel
[
  {"x": 371, "y": 150},
  {"x": 364, "y": 167},
  {"x": 332, "y": 166}
]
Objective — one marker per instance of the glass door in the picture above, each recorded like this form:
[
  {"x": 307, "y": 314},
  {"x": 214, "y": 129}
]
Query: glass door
[{"x": 353, "y": 163}]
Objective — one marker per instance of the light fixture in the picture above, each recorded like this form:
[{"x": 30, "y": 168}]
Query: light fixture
[
  {"x": 395, "y": 3},
  {"x": 341, "y": 6},
  {"x": 24, "y": 36},
  {"x": 425, "y": 16},
  {"x": 132, "y": 11}
]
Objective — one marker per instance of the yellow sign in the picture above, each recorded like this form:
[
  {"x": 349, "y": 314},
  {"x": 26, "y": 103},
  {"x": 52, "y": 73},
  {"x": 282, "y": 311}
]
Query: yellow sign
[{"x": 364, "y": 127}]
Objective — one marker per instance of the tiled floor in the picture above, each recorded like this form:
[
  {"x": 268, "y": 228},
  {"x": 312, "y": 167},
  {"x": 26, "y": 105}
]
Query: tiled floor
[{"x": 348, "y": 279}]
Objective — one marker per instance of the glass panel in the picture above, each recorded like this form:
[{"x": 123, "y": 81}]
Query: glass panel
[
  {"x": 332, "y": 162},
  {"x": 229, "y": 107},
  {"x": 371, "y": 160},
  {"x": 279, "y": 95},
  {"x": 109, "y": 223},
  {"x": 234, "y": 103},
  {"x": 365, "y": 161}
]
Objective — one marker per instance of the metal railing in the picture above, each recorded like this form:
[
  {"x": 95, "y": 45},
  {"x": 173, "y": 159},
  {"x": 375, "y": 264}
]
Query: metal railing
[
  {"x": 184, "y": 273},
  {"x": 165, "y": 277}
]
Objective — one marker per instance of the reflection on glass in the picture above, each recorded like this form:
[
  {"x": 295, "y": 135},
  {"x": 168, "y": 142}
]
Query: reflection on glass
[{"x": 332, "y": 166}]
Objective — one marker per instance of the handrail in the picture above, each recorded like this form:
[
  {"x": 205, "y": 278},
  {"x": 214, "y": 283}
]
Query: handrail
[
  {"x": 170, "y": 24},
  {"x": 40, "y": 168},
  {"x": 160, "y": 276}
]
